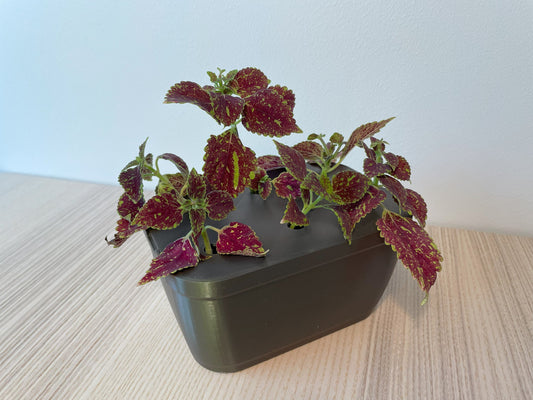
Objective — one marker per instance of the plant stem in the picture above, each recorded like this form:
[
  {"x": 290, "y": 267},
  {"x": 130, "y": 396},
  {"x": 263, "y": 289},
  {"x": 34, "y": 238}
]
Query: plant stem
[{"x": 207, "y": 243}]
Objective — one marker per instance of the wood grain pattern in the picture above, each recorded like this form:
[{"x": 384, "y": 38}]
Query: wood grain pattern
[{"x": 74, "y": 325}]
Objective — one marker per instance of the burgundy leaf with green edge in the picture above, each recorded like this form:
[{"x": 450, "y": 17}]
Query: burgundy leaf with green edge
[
  {"x": 196, "y": 186},
  {"x": 312, "y": 182},
  {"x": 131, "y": 181},
  {"x": 177, "y": 161},
  {"x": 287, "y": 186},
  {"x": 292, "y": 160},
  {"x": 261, "y": 183},
  {"x": 363, "y": 132},
  {"x": 239, "y": 239},
  {"x": 373, "y": 168},
  {"x": 145, "y": 172},
  {"x": 189, "y": 92},
  {"x": 175, "y": 184},
  {"x": 311, "y": 151},
  {"x": 288, "y": 95},
  {"x": 392, "y": 159},
  {"x": 415, "y": 249},
  {"x": 403, "y": 170},
  {"x": 127, "y": 208},
  {"x": 395, "y": 187},
  {"x": 377, "y": 144},
  {"x": 124, "y": 230},
  {"x": 219, "y": 204},
  {"x": 228, "y": 164},
  {"x": 349, "y": 186},
  {"x": 160, "y": 212},
  {"x": 177, "y": 255},
  {"x": 249, "y": 80},
  {"x": 293, "y": 215},
  {"x": 350, "y": 214},
  {"x": 226, "y": 108},
  {"x": 370, "y": 153},
  {"x": 269, "y": 162},
  {"x": 268, "y": 112},
  {"x": 416, "y": 205},
  {"x": 197, "y": 218}
]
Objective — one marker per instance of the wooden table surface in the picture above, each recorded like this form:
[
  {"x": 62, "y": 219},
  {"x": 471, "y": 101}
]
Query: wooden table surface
[{"x": 74, "y": 325}]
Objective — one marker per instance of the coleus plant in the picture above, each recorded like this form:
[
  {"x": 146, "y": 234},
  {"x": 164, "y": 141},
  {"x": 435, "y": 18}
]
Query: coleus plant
[{"x": 313, "y": 177}]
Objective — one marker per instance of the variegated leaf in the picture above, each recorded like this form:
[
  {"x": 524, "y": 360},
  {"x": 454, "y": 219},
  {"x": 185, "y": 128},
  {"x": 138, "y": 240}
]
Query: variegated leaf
[
  {"x": 373, "y": 168},
  {"x": 293, "y": 215},
  {"x": 287, "y": 186},
  {"x": 249, "y": 80},
  {"x": 219, "y": 204},
  {"x": 349, "y": 186},
  {"x": 292, "y": 160},
  {"x": 160, "y": 212},
  {"x": 395, "y": 187},
  {"x": 269, "y": 162},
  {"x": 403, "y": 170},
  {"x": 416, "y": 205},
  {"x": 239, "y": 239},
  {"x": 363, "y": 132},
  {"x": 177, "y": 161},
  {"x": 311, "y": 151},
  {"x": 131, "y": 181}
]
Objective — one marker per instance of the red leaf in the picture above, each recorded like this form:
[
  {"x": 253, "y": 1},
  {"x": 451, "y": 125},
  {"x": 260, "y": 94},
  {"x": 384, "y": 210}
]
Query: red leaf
[
  {"x": 312, "y": 182},
  {"x": 219, "y": 204},
  {"x": 226, "y": 108},
  {"x": 416, "y": 205},
  {"x": 293, "y": 215},
  {"x": 311, "y": 151},
  {"x": 239, "y": 239},
  {"x": 363, "y": 132},
  {"x": 287, "y": 186},
  {"x": 177, "y": 181},
  {"x": 392, "y": 159},
  {"x": 124, "y": 230},
  {"x": 189, "y": 92},
  {"x": 349, "y": 186},
  {"x": 160, "y": 212},
  {"x": 176, "y": 256},
  {"x": 248, "y": 81},
  {"x": 395, "y": 187},
  {"x": 292, "y": 160},
  {"x": 196, "y": 186},
  {"x": 197, "y": 218},
  {"x": 131, "y": 180},
  {"x": 261, "y": 183},
  {"x": 228, "y": 164},
  {"x": 269, "y": 112},
  {"x": 373, "y": 168},
  {"x": 269, "y": 162},
  {"x": 177, "y": 161},
  {"x": 127, "y": 208},
  {"x": 415, "y": 249},
  {"x": 403, "y": 170},
  {"x": 350, "y": 214}
]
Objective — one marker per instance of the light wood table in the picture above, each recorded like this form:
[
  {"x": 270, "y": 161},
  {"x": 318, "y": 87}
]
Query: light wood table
[{"x": 74, "y": 325}]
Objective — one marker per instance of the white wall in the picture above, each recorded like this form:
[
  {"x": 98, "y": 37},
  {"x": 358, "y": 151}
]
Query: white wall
[{"x": 82, "y": 83}]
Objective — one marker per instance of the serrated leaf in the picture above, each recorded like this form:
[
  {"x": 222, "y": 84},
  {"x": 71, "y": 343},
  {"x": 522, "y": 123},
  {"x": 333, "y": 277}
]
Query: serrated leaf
[
  {"x": 160, "y": 212},
  {"x": 372, "y": 168},
  {"x": 177, "y": 255},
  {"x": 177, "y": 161},
  {"x": 269, "y": 112},
  {"x": 416, "y": 205},
  {"x": 336, "y": 138},
  {"x": 124, "y": 230},
  {"x": 292, "y": 160},
  {"x": 146, "y": 174},
  {"x": 176, "y": 183},
  {"x": 349, "y": 186},
  {"x": 395, "y": 187},
  {"x": 370, "y": 153},
  {"x": 415, "y": 249},
  {"x": 196, "y": 187},
  {"x": 127, "y": 208},
  {"x": 261, "y": 183},
  {"x": 287, "y": 186},
  {"x": 189, "y": 92},
  {"x": 377, "y": 144},
  {"x": 269, "y": 162},
  {"x": 293, "y": 215},
  {"x": 131, "y": 181},
  {"x": 403, "y": 170},
  {"x": 363, "y": 132},
  {"x": 197, "y": 218},
  {"x": 312, "y": 182},
  {"x": 239, "y": 239},
  {"x": 311, "y": 151},
  {"x": 226, "y": 109},
  {"x": 392, "y": 159},
  {"x": 228, "y": 164},
  {"x": 219, "y": 204},
  {"x": 249, "y": 80}
]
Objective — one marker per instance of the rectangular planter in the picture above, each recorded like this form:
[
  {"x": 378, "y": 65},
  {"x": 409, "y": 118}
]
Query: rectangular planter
[{"x": 237, "y": 311}]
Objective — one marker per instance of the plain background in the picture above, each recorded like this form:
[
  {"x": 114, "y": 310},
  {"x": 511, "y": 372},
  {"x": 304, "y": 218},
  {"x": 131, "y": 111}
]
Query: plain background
[{"x": 82, "y": 85}]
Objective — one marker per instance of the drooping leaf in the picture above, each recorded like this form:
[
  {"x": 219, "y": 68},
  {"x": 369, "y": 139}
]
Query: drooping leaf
[
  {"x": 416, "y": 205},
  {"x": 197, "y": 217},
  {"x": 415, "y": 249},
  {"x": 177, "y": 255},
  {"x": 373, "y": 168},
  {"x": 403, "y": 170},
  {"x": 196, "y": 186},
  {"x": 395, "y": 187},
  {"x": 177, "y": 161},
  {"x": 293, "y": 215},
  {"x": 269, "y": 112},
  {"x": 226, "y": 108},
  {"x": 124, "y": 230},
  {"x": 350, "y": 214},
  {"x": 269, "y": 162},
  {"x": 292, "y": 160},
  {"x": 239, "y": 239},
  {"x": 228, "y": 164},
  {"x": 219, "y": 204},
  {"x": 127, "y": 208},
  {"x": 349, "y": 186},
  {"x": 363, "y": 132},
  {"x": 160, "y": 212},
  {"x": 131, "y": 181},
  {"x": 249, "y": 80},
  {"x": 311, "y": 151},
  {"x": 189, "y": 92},
  {"x": 287, "y": 186}
]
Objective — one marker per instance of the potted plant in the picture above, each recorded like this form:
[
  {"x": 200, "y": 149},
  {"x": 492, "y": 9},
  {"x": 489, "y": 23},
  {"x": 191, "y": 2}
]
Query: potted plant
[{"x": 332, "y": 233}]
